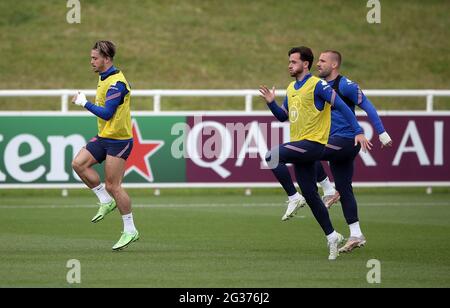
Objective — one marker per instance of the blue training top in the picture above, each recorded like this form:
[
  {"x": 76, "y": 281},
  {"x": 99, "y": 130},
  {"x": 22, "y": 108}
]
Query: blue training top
[{"x": 352, "y": 94}]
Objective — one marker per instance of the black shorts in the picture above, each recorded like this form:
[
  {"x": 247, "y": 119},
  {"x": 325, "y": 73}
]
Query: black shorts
[{"x": 100, "y": 147}]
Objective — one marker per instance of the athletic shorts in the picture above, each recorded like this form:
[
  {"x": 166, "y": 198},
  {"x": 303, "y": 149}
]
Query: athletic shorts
[{"x": 100, "y": 147}]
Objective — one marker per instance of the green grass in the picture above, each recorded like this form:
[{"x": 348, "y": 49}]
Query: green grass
[
  {"x": 215, "y": 44},
  {"x": 190, "y": 238}
]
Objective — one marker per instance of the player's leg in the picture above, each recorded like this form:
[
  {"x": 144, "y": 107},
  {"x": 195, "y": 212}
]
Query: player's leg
[
  {"x": 82, "y": 164},
  {"x": 114, "y": 171},
  {"x": 330, "y": 195},
  {"x": 277, "y": 158},
  {"x": 115, "y": 163},
  {"x": 341, "y": 155},
  {"x": 343, "y": 173},
  {"x": 94, "y": 153},
  {"x": 306, "y": 177}
]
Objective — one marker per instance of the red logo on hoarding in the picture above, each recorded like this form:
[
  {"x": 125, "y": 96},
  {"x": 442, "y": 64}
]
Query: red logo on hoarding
[{"x": 140, "y": 154}]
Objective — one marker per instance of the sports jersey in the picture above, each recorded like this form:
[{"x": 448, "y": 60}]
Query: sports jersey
[
  {"x": 312, "y": 120},
  {"x": 112, "y": 106}
]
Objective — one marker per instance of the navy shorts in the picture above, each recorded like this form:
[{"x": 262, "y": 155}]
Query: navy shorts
[{"x": 100, "y": 147}]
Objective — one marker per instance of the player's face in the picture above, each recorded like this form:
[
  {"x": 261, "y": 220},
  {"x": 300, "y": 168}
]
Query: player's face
[
  {"x": 295, "y": 65},
  {"x": 97, "y": 61},
  {"x": 324, "y": 65}
]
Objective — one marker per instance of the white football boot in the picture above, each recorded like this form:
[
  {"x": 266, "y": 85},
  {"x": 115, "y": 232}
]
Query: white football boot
[
  {"x": 329, "y": 200},
  {"x": 293, "y": 207},
  {"x": 334, "y": 246},
  {"x": 352, "y": 243}
]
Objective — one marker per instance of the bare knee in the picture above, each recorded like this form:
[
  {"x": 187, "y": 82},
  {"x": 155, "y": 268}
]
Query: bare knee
[
  {"x": 113, "y": 189},
  {"x": 77, "y": 166}
]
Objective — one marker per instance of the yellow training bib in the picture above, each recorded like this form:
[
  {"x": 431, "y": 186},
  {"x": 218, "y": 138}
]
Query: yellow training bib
[
  {"x": 307, "y": 122},
  {"x": 119, "y": 126}
]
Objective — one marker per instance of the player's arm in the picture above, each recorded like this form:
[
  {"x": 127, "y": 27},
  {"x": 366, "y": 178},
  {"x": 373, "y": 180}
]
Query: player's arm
[
  {"x": 281, "y": 113},
  {"x": 354, "y": 93},
  {"x": 114, "y": 97},
  {"x": 326, "y": 93}
]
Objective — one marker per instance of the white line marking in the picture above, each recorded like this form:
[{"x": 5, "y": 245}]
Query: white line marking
[{"x": 212, "y": 205}]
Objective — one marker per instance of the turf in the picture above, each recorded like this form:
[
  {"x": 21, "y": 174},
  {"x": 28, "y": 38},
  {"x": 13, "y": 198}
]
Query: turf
[{"x": 221, "y": 240}]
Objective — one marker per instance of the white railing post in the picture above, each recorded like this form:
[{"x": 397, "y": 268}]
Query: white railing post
[
  {"x": 248, "y": 94},
  {"x": 429, "y": 102},
  {"x": 248, "y": 103},
  {"x": 157, "y": 103},
  {"x": 64, "y": 102}
]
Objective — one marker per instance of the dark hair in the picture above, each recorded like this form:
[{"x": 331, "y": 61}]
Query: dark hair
[
  {"x": 337, "y": 55},
  {"x": 306, "y": 54},
  {"x": 106, "y": 49}
]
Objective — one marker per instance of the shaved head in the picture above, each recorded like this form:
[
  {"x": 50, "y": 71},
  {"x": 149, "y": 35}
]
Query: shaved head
[{"x": 335, "y": 56}]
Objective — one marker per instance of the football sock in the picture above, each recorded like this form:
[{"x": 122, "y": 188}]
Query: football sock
[
  {"x": 332, "y": 236},
  {"x": 102, "y": 194},
  {"x": 328, "y": 189},
  {"x": 128, "y": 223},
  {"x": 355, "y": 230},
  {"x": 294, "y": 197}
]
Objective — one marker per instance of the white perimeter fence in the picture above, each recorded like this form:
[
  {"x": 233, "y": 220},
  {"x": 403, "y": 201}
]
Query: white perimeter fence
[{"x": 66, "y": 94}]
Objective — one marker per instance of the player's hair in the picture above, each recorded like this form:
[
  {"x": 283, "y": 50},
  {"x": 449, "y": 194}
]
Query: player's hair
[
  {"x": 306, "y": 54},
  {"x": 337, "y": 56},
  {"x": 106, "y": 49}
]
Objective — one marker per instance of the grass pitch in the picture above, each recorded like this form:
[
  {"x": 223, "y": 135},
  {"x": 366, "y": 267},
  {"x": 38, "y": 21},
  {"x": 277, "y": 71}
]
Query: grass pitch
[{"x": 221, "y": 239}]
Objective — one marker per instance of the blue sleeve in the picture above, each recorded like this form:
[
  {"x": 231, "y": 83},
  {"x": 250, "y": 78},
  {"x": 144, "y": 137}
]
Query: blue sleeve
[
  {"x": 372, "y": 113},
  {"x": 348, "y": 114},
  {"x": 352, "y": 91},
  {"x": 326, "y": 93},
  {"x": 114, "y": 97},
  {"x": 281, "y": 113}
]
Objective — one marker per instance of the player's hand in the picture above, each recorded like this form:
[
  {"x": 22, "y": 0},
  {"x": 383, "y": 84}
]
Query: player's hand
[
  {"x": 267, "y": 94},
  {"x": 79, "y": 99},
  {"x": 362, "y": 140},
  {"x": 385, "y": 140}
]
